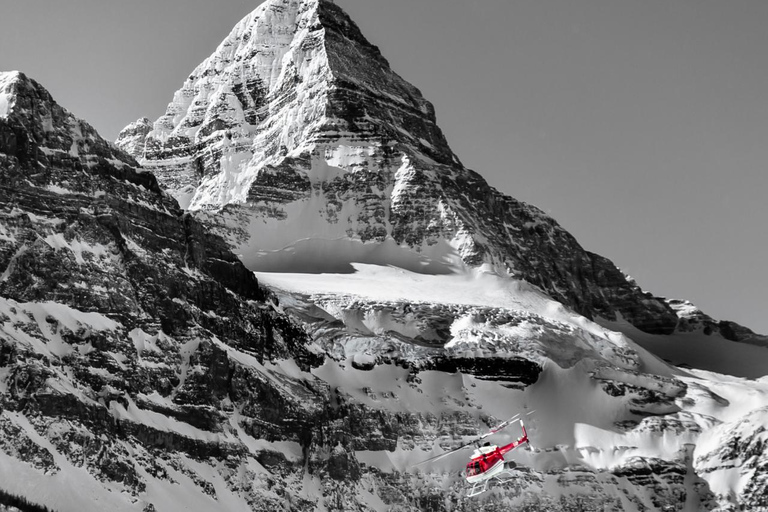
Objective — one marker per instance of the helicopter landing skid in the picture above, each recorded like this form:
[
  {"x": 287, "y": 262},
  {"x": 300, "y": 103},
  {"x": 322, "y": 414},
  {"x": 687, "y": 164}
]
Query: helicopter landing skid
[{"x": 480, "y": 487}]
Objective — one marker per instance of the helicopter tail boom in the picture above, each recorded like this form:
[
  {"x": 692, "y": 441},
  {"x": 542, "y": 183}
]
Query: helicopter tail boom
[{"x": 514, "y": 444}]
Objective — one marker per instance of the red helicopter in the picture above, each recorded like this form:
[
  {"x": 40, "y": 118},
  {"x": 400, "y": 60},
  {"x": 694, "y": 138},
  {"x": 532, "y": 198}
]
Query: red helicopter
[{"x": 487, "y": 462}]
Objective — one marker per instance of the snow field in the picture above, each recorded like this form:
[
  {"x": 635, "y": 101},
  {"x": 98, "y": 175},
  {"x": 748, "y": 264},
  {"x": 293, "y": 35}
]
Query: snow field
[{"x": 575, "y": 420}]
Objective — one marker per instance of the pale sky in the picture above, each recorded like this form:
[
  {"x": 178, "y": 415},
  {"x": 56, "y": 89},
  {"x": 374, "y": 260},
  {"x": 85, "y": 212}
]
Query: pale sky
[{"x": 640, "y": 125}]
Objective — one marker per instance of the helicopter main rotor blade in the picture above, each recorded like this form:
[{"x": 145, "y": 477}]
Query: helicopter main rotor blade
[
  {"x": 501, "y": 426},
  {"x": 505, "y": 424},
  {"x": 445, "y": 454}
]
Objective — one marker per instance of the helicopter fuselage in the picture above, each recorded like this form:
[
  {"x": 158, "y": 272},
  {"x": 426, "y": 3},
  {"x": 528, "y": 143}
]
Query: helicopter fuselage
[{"x": 488, "y": 461}]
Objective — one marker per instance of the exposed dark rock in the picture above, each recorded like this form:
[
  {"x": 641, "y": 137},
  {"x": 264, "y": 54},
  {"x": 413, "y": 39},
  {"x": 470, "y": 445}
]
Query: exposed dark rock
[
  {"x": 516, "y": 370},
  {"x": 691, "y": 319}
]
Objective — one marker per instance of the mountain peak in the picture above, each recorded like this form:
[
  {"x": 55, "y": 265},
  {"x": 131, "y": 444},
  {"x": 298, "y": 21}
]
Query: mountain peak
[
  {"x": 37, "y": 128},
  {"x": 133, "y": 136},
  {"x": 300, "y": 134},
  {"x": 8, "y": 90},
  {"x": 8, "y": 77},
  {"x": 288, "y": 75},
  {"x": 15, "y": 84}
]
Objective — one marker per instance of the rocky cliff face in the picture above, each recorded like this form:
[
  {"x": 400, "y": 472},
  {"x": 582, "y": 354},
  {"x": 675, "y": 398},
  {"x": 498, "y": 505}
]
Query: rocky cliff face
[
  {"x": 127, "y": 328},
  {"x": 736, "y": 451},
  {"x": 82, "y": 225},
  {"x": 133, "y": 137},
  {"x": 298, "y": 134},
  {"x": 138, "y": 355}
]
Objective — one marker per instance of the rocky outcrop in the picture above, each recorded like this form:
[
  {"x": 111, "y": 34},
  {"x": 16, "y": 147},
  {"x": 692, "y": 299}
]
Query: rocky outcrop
[
  {"x": 131, "y": 139},
  {"x": 692, "y": 319},
  {"x": 736, "y": 453}
]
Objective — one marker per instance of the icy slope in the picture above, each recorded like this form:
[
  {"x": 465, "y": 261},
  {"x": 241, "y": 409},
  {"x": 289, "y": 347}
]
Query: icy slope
[
  {"x": 614, "y": 426},
  {"x": 296, "y": 134}
]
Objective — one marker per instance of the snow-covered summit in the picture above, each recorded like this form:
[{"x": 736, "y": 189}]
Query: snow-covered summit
[
  {"x": 286, "y": 78},
  {"x": 301, "y": 139},
  {"x": 7, "y": 79},
  {"x": 8, "y": 76}
]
